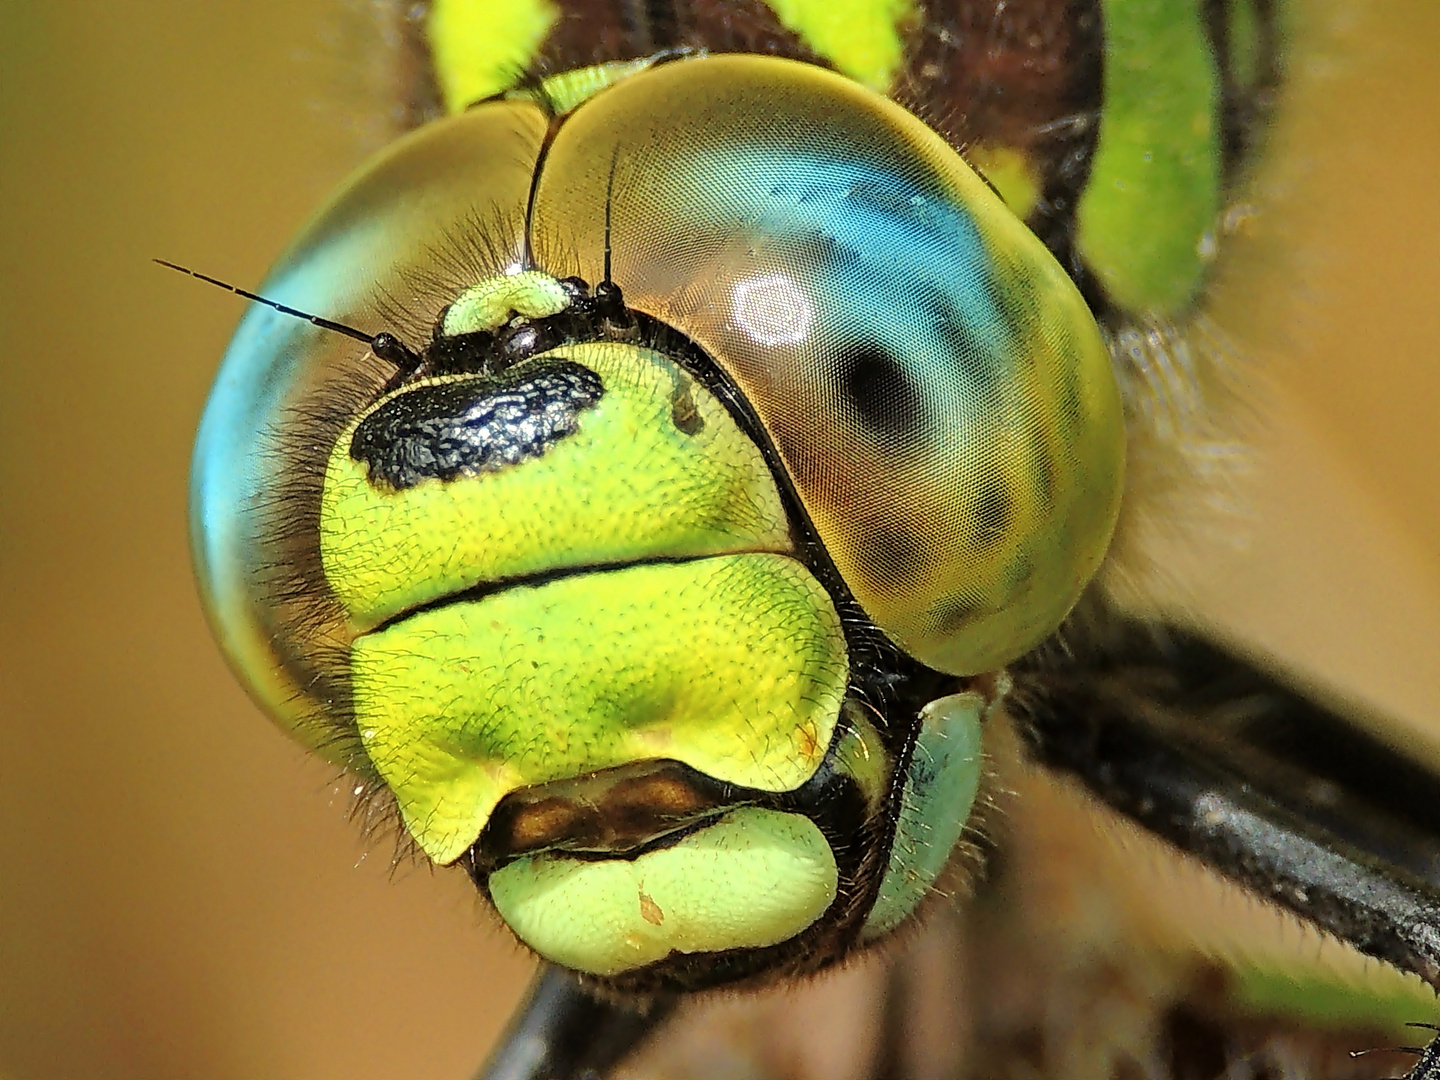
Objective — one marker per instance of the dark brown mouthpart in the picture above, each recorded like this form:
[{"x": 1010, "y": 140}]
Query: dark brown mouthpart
[{"x": 614, "y": 812}]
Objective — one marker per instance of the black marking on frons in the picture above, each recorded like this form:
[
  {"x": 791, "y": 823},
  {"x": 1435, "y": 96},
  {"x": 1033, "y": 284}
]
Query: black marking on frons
[
  {"x": 442, "y": 431},
  {"x": 684, "y": 413}
]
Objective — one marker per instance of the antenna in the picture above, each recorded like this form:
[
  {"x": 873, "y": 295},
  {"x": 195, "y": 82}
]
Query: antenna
[
  {"x": 610, "y": 301},
  {"x": 384, "y": 344},
  {"x": 609, "y": 199}
]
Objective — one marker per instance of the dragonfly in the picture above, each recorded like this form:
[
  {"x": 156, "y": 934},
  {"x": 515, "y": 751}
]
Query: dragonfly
[{"x": 698, "y": 483}]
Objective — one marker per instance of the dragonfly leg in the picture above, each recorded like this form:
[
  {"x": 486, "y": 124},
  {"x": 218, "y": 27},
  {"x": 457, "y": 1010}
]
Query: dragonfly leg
[
  {"x": 1199, "y": 746},
  {"x": 561, "y": 1032}
]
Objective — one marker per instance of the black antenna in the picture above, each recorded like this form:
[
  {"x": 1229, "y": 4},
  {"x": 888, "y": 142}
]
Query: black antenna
[
  {"x": 384, "y": 344},
  {"x": 610, "y": 301},
  {"x": 609, "y": 199}
]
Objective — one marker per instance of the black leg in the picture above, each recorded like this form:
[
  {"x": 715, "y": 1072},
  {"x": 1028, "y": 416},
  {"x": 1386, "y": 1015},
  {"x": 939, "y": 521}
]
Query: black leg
[
  {"x": 1288, "y": 797},
  {"x": 562, "y": 1033}
]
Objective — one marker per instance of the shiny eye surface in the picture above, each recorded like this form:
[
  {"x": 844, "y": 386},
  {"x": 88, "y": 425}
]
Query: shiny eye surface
[
  {"x": 667, "y": 586},
  {"x": 933, "y": 383}
]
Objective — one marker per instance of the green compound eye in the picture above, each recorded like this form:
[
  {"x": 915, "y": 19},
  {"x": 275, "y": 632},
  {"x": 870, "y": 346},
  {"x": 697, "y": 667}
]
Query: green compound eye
[
  {"x": 935, "y": 386},
  {"x": 654, "y": 605}
]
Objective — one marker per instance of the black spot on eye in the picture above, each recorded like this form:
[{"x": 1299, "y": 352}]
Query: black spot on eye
[
  {"x": 953, "y": 615},
  {"x": 891, "y": 555},
  {"x": 994, "y": 511},
  {"x": 877, "y": 386},
  {"x": 446, "y": 430}
]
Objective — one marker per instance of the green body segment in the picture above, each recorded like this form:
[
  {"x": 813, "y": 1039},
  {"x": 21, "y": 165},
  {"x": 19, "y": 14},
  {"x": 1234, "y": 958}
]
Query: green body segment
[
  {"x": 755, "y": 878},
  {"x": 734, "y": 665},
  {"x": 940, "y": 787},
  {"x": 480, "y": 48},
  {"x": 863, "y": 39},
  {"x": 628, "y": 484},
  {"x": 1154, "y": 191}
]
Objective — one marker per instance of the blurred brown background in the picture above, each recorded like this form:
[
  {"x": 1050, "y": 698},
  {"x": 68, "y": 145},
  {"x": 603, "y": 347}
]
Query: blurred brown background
[{"x": 180, "y": 893}]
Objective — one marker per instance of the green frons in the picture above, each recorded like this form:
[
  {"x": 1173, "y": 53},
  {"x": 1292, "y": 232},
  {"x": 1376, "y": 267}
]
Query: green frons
[
  {"x": 734, "y": 665},
  {"x": 657, "y": 468}
]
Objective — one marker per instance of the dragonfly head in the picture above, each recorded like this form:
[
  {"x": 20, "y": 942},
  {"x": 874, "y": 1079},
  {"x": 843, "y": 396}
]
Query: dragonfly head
[{"x": 669, "y": 607}]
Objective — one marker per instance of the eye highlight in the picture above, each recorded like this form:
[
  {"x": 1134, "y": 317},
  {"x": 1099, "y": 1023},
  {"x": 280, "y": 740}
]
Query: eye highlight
[{"x": 772, "y": 310}]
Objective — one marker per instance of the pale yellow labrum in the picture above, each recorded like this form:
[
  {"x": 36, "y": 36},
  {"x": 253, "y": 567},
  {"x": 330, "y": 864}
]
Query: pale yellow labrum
[{"x": 756, "y": 878}]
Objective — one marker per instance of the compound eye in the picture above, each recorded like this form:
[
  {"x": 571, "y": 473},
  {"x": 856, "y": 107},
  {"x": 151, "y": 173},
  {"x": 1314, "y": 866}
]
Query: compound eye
[
  {"x": 386, "y": 253},
  {"x": 933, "y": 383}
]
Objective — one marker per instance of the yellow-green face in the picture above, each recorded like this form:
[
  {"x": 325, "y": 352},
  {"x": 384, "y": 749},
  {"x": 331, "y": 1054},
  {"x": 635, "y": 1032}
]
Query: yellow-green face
[{"x": 749, "y": 427}]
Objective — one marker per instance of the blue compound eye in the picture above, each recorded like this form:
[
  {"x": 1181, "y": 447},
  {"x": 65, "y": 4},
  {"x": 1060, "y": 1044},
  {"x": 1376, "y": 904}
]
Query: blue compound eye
[{"x": 934, "y": 384}]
